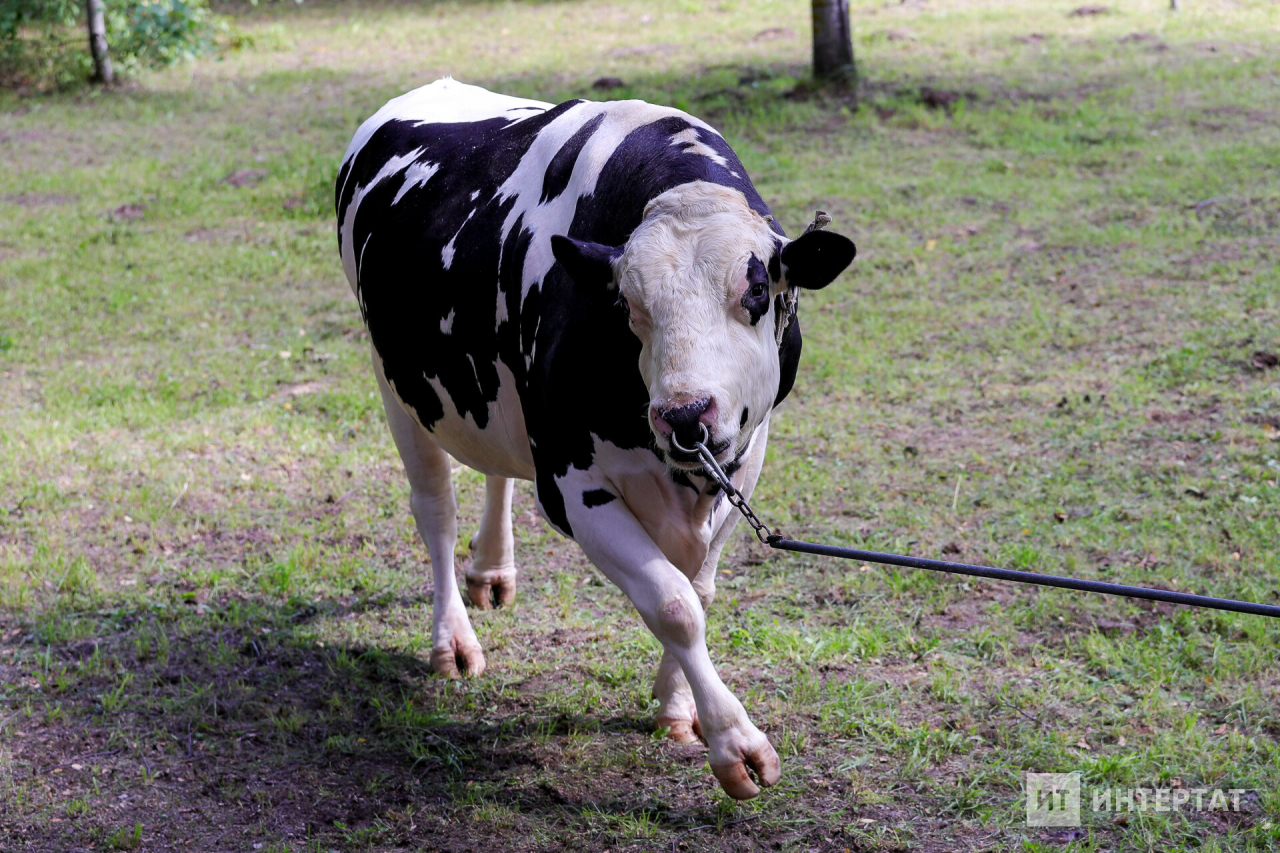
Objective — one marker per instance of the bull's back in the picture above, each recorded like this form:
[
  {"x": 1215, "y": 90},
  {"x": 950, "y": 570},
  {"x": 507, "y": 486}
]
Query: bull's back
[{"x": 420, "y": 233}]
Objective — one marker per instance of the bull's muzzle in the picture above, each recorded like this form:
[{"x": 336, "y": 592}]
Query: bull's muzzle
[
  {"x": 684, "y": 426},
  {"x": 685, "y": 421}
]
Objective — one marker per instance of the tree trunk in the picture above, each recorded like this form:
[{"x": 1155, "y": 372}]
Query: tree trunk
[
  {"x": 832, "y": 44},
  {"x": 102, "y": 72},
  {"x": 1173, "y": 4}
]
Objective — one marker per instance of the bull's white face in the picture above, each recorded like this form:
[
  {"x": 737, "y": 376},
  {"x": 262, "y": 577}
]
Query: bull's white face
[
  {"x": 695, "y": 282},
  {"x": 700, "y": 277}
]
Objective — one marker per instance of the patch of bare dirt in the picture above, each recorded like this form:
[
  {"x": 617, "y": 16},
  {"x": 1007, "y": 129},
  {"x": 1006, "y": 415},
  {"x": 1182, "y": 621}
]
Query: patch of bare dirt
[
  {"x": 299, "y": 389},
  {"x": 661, "y": 49},
  {"x": 1255, "y": 116},
  {"x": 234, "y": 232},
  {"x": 38, "y": 199},
  {"x": 299, "y": 746},
  {"x": 774, "y": 34},
  {"x": 1272, "y": 421},
  {"x": 129, "y": 212},
  {"x": 939, "y": 99},
  {"x": 245, "y": 177},
  {"x": 1185, "y": 416}
]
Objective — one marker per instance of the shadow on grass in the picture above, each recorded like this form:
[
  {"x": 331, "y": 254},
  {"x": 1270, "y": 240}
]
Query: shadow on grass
[{"x": 236, "y": 726}]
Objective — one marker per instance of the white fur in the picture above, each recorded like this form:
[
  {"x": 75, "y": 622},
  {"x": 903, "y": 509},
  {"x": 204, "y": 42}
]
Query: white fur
[
  {"x": 416, "y": 175},
  {"x": 689, "y": 141},
  {"x": 447, "y": 253}
]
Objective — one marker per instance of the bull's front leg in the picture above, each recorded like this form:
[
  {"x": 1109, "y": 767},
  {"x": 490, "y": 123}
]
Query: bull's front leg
[
  {"x": 616, "y": 542},
  {"x": 677, "y": 711}
]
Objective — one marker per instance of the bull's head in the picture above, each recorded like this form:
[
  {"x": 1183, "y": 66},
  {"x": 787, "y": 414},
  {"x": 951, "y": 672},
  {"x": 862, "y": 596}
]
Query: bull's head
[{"x": 705, "y": 280}]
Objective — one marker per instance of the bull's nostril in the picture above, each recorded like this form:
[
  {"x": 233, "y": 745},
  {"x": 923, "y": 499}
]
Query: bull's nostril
[{"x": 686, "y": 421}]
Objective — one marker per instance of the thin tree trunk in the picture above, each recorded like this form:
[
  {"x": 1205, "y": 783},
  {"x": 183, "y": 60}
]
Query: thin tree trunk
[
  {"x": 832, "y": 44},
  {"x": 1173, "y": 4},
  {"x": 102, "y": 72}
]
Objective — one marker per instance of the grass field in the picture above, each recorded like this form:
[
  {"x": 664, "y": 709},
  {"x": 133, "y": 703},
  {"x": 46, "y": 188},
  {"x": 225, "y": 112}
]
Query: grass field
[{"x": 1052, "y": 353}]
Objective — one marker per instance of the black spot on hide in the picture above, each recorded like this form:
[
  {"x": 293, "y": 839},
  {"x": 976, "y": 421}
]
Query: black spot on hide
[
  {"x": 560, "y": 169},
  {"x": 755, "y": 299},
  {"x": 596, "y": 497}
]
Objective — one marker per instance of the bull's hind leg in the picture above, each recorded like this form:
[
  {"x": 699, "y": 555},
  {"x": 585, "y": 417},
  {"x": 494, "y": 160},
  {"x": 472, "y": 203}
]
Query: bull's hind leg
[
  {"x": 677, "y": 711},
  {"x": 454, "y": 648},
  {"x": 491, "y": 577}
]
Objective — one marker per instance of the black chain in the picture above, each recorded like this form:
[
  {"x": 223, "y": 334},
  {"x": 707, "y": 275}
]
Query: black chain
[{"x": 715, "y": 472}]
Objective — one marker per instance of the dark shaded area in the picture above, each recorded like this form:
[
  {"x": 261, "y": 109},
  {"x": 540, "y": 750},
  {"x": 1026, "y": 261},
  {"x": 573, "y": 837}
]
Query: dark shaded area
[{"x": 232, "y": 728}]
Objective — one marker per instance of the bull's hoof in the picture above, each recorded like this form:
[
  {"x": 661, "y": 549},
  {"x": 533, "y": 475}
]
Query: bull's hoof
[
  {"x": 457, "y": 659},
  {"x": 762, "y": 762},
  {"x": 492, "y": 589},
  {"x": 682, "y": 730}
]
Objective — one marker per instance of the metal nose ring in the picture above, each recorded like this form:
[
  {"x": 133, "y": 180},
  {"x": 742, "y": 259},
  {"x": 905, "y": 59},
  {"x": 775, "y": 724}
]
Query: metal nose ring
[{"x": 675, "y": 442}]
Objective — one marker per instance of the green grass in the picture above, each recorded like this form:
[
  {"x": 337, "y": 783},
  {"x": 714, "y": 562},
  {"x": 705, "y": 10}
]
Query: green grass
[{"x": 214, "y": 610}]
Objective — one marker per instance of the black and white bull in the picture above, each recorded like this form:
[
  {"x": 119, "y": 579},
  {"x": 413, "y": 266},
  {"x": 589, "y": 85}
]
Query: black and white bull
[{"x": 552, "y": 292}]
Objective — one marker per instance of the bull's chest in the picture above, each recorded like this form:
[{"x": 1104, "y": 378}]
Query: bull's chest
[{"x": 681, "y": 520}]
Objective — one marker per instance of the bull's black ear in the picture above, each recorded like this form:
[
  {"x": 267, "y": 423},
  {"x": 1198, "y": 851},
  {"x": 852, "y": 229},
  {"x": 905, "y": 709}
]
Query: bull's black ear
[
  {"x": 814, "y": 259},
  {"x": 587, "y": 263}
]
